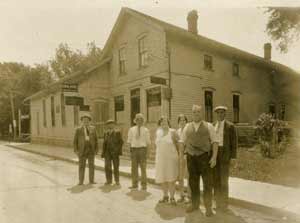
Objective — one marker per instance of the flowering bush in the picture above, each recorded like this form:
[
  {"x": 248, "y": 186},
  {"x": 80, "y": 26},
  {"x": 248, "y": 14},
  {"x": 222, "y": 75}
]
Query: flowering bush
[{"x": 271, "y": 134}]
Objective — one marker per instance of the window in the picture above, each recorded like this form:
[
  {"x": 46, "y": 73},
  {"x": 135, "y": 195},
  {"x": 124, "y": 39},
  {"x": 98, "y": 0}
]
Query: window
[
  {"x": 100, "y": 116},
  {"x": 153, "y": 104},
  {"x": 236, "y": 108},
  {"x": 63, "y": 109},
  {"x": 208, "y": 101},
  {"x": 52, "y": 111},
  {"x": 44, "y": 113},
  {"x": 235, "y": 69},
  {"x": 119, "y": 109},
  {"x": 38, "y": 123},
  {"x": 282, "y": 112},
  {"x": 143, "y": 53},
  {"x": 135, "y": 103},
  {"x": 76, "y": 115},
  {"x": 122, "y": 68},
  {"x": 208, "y": 63},
  {"x": 272, "y": 110}
]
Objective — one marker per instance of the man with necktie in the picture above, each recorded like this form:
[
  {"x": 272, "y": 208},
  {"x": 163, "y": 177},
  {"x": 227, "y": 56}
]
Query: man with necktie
[
  {"x": 139, "y": 141},
  {"x": 86, "y": 147},
  {"x": 111, "y": 152},
  {"x": 227, "y": 138}
]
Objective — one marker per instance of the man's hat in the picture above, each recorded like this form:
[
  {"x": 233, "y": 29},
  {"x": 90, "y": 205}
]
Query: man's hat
[
  {"x": 86, "y": 115},
  {"x": 139, "y": 115},
  {"x": 109, "y": 121},
  {"x": 220, "y": 108}
]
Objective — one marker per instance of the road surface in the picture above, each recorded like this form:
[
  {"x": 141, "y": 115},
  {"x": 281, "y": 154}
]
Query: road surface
[{"x": 37, "y": 189}]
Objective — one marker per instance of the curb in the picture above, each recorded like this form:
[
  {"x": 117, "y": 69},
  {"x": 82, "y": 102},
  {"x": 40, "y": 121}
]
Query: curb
[{"x": 285, "y": 215}]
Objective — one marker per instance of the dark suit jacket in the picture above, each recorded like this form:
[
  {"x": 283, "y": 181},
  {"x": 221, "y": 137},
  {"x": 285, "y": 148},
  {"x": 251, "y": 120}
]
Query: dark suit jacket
[
  {"x": 112, "y": 144},
  {"x": 79, "y": 140},
  {"x": 229, "y": 141}
]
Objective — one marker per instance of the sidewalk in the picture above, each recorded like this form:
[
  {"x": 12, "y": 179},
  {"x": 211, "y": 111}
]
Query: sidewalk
[{"x": 252, "y": 194}]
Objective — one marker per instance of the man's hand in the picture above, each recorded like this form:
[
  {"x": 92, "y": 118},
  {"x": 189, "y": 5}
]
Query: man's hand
[
  {"x": 213, "y": 162},
  {"x": 234, "y": 163}
]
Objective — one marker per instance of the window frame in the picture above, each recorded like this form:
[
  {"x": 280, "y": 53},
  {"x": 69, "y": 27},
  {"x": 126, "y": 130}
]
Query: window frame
[
  {"x": 142, "y": 52},
  {"x": 122, "y": 60},
  {"x": 44, "y": 113},
  {"x": 116, "y": 98},
  {"x": 209, "y": 115},
  {"x": 235, "y": 72},
  {"x": 53, "y": 121},
  {"x": 63, "y": 110},
  {"x": 148, "y": 90},
  {"x": 208, "y": 58},
  {"x": 236, "y": 110}
]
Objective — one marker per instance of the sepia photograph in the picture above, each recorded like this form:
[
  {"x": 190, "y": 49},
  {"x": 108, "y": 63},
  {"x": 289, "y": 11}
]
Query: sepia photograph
[{"x": 150, "y": 111}]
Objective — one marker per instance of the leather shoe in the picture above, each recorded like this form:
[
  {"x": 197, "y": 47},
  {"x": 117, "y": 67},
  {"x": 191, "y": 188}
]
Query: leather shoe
[
  {"x": 209, "y": 213},
  {"x": 191, "y": 208},
  {"x": 93, "y": 182},
  {"x": 133, "y": 187},
  {"x": 79, "y": 184}
]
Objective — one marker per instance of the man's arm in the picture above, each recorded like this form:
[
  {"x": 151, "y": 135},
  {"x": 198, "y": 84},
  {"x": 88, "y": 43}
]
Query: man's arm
[
  {"x": 75, "y": 142},
  {"x": 234, "y": 142},
  {"x": 215, "y": 145}
]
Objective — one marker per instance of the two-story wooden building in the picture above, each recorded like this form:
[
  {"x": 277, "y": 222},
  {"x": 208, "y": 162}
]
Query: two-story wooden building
[{"x": 156, "y": 68}]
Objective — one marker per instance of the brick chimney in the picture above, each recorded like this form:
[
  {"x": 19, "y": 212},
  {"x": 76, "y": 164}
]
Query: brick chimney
[
  {"x": 267, "y": 51},
  {"x": 192, "y": 20}
]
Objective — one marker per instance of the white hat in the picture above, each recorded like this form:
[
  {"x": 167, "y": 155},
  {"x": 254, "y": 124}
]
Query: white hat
[
  {"x": 86, "y": 115},
  {"x": 221, "y": 107}
]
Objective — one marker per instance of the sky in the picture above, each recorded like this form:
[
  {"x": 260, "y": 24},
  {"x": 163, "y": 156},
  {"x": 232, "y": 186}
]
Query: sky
[{"x": 31, "y": 30}]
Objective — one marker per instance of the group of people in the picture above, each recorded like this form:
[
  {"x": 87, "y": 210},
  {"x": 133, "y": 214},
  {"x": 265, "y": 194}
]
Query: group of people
[{"x": 196, "y": 149}]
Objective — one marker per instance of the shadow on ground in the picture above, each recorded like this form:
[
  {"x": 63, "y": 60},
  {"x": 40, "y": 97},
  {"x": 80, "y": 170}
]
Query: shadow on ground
[
  {"x": 138, "y": 195},
  {"x": 199, "y": 216},
  {"x": 79, "y": 188},
  {"x": 109, "y": 188},
  {"x": 169, "y": 212}
]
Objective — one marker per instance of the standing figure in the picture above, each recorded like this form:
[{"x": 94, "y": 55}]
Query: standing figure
[
  {"x": 86, "y": 147},
  {"x": 227, "y": 136},
  {"x": 200, "y": 139},
  {"x": 182, "y": 121},
  {"x": 139, "y": 141},
  {"x": 112, "y": 149},
  {"x": 166, "y": 160}
]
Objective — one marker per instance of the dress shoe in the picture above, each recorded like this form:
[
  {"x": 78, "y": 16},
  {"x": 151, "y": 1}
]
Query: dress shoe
[
  {"x": 93, "y": 182},
  {"x": 133, "y": 187},
  {"x": 209, "y": 213},
  {"x": 191, "y": 208},
  {"x": 117, "y": 183},
  {"x": 107, "y": 183},
  {"x": 79, "y": 184}
]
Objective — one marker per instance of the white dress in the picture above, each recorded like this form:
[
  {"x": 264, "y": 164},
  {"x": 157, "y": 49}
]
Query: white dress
[{"x": 166, "y": 159}]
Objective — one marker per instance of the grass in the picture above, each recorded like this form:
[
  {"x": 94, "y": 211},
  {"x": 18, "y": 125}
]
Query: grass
[{"x": 283, "y": 170}]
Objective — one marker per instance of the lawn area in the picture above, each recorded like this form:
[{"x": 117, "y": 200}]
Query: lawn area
[{"x": 283, "y": 170}]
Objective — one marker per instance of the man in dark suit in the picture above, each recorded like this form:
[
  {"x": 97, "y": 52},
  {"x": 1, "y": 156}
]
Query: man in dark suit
[
  {"x": 112, "y": 149},
  {"x": 86, "y": 147},
  {"x": 226, "y": 133}
]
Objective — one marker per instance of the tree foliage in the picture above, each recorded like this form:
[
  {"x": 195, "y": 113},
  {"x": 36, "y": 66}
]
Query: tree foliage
[
  {"x": 283, "y": 26},
  {"x": 67, "y": 61},
  {"x": 20, "y": 81}
]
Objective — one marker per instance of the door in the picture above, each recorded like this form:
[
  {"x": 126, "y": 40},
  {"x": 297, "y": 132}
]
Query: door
[{"x": 135, "y": 103}]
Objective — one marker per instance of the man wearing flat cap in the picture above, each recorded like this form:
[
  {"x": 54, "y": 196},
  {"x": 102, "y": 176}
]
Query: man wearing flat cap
[
  {"x": 227, "y": 136},
  {"x": 111, "y": 150},
  {"x": 86, "y": 147},
  {"x": 139, "y": 141}
]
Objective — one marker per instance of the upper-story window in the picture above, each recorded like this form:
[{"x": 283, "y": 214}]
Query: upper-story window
[
  {"x": 235, "y": 69},
  {"x": 143, "y": 52},
  {"x": 122, "y": 68},
  {"x": 208, "y": 62}
]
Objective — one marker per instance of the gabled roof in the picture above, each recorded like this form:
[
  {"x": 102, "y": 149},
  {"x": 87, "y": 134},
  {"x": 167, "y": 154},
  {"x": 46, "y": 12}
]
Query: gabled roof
[
  {"x": 77, "y": 77},
  {"x": 196, "y": 39}
]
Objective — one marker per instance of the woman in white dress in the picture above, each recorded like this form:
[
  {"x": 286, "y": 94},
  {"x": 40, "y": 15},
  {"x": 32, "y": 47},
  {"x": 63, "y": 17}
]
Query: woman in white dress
[{"x": 166, "y": 160}]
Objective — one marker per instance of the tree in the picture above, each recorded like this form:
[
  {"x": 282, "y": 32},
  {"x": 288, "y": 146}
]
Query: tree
[
  {"x": 68, "y": 61},
  {"x": 18, "y": 81},
  {"x": 283, "y": 26}
]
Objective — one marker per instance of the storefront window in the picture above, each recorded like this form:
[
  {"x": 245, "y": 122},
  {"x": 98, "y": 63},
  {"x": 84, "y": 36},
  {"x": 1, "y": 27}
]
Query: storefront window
[{"x": 153, "y": 104}]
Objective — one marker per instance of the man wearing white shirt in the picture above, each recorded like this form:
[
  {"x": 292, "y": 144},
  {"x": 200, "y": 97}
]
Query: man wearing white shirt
[
  {"x": 227, "y": 136},
  {"x": 201, "y": 146},
  {"x": 139, "y": 140}
]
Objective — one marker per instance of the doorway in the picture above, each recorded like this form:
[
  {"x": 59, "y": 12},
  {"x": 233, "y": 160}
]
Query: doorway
[{"x": 135, "y": 103}]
